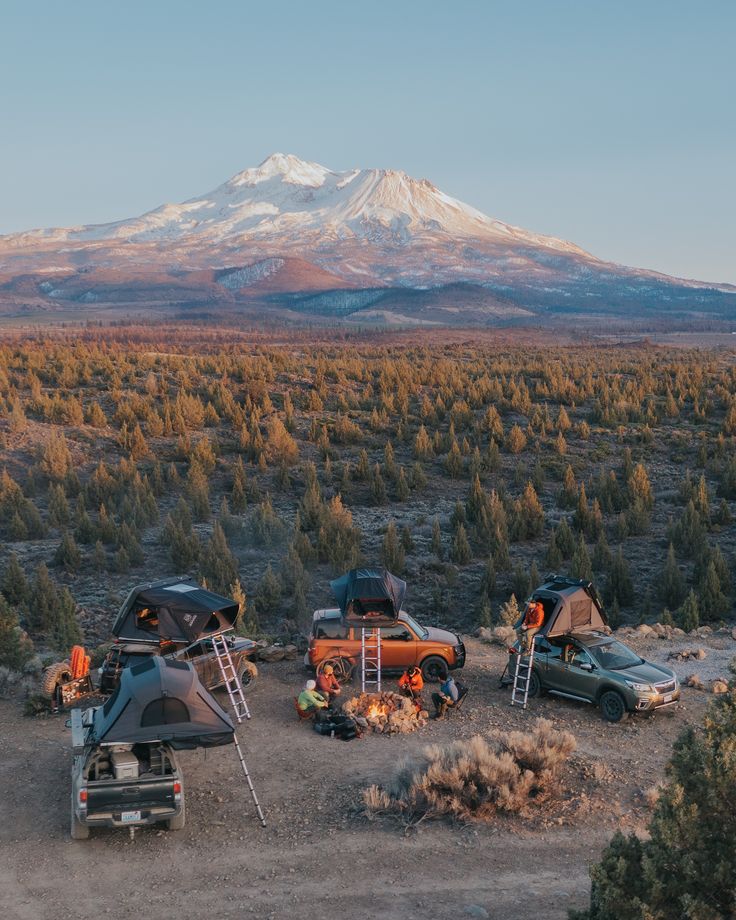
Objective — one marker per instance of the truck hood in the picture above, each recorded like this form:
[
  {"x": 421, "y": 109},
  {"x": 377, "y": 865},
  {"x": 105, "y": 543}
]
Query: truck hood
[
  {"x": 442, "y": 635},
  {"x": 647, "y": 673}
]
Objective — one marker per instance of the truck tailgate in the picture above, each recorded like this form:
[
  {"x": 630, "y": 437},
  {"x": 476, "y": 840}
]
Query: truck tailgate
[{"x": 142, "y": 793}]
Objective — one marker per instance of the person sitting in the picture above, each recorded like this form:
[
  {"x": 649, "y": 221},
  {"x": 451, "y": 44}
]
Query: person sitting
[
  {"x": 530, "y": 625},
  {"x": 327, "y": 683},
  {"x": 411, "y": 683},
  {"x": 310, "y": 701},
  {"x": 447, "y": 696}
]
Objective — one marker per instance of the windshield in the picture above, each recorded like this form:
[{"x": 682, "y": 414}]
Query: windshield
[
  {"x": 614, "y": 656},
  {"x": 419, "y": 630}
]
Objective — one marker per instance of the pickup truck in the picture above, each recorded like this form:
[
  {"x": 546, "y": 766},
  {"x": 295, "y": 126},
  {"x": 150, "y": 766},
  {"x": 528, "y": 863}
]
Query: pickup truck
[{"x": 122, "y": 785}]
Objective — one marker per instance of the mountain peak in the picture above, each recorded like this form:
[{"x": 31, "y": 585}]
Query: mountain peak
[{"x": 284, "y": 167}]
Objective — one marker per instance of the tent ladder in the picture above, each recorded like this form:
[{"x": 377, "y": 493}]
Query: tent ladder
[
  {"x": 522, "y": 676},
  {"x": 370, "y": 660},
  {"x": 240, "y": 707}
]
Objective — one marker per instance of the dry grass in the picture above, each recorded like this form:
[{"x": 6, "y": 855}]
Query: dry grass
[{"x": 472, "y": 780}]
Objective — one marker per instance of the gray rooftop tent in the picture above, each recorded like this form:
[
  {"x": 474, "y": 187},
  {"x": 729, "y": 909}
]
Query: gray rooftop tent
[
  {"x": 174, "y": 610},
  {"x": 162, "y": 700},
  {"x": 570, "y": 605},
  {"x": 369, "y": 597}
]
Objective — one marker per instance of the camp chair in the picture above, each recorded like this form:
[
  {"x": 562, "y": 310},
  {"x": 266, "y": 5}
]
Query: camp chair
[{"x": 303, "y": 716}]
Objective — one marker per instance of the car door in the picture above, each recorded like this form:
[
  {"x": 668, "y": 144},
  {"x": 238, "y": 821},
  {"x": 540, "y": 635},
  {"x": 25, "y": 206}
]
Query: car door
[
  {"x": 554, "y": 668},
  {"x": 580, "y": 676},
  {"x": 398, "y": 647}
]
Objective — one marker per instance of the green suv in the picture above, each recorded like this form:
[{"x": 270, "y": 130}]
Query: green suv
[{"x": 598, "y": 669}]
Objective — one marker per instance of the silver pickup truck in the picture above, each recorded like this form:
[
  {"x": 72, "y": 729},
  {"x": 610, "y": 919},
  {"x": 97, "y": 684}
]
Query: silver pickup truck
[{"x": 122, "y": 785}]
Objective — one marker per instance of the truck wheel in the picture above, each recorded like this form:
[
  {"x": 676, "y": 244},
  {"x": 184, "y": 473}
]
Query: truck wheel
[
  {"x": 248, "y": 674},
  {"x": 177, "y": 823},
  {"x": 434, "y": 669},
  {"x": 613, "y": 707},
  {"x": 77, "y": 830},
  {"x": 54, "y": 675}
]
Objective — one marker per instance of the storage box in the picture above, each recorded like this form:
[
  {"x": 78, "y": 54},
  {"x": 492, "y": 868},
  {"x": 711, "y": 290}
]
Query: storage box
[{"x": 125, "y": 765}]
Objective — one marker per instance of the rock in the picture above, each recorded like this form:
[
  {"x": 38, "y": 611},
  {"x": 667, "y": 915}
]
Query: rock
[
  {"x": 703, "y": 632},
  {"x": 700, "y": 653},
  {"x": 676, "y": 631},
  {"x": 291, "y": 652},
  {"x": 644, "y": 630},
  {"x": 271, "y": 653},
  {"x": 695, "y": 682},
  {"x": 719, "y": 686}
]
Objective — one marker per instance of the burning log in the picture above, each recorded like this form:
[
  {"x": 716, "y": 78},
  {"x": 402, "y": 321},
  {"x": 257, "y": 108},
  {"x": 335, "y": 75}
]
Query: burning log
[{"x": 386, "y": 713}]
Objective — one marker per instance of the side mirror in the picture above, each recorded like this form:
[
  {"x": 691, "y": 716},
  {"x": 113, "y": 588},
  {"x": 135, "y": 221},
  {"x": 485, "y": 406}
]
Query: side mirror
[{"x": 586, "y": 666}]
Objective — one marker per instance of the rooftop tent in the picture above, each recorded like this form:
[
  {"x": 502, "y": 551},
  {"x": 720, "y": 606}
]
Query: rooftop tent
[
  {"x": 570, "y": 605},
  {"x": 162, "y": 700},
  {"x": 369, "y": 597},
  {"x": 174, "y": 610}
]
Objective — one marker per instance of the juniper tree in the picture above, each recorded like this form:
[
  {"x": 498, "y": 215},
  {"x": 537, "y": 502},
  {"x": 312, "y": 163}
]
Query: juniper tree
[
  {"x": 460, "y": 551},
  {"x": 392, "y": 552},
  {"x": 671, "y": 581},
  {"x": 268, "y": 593},
  {"x": 15, "y": 588},
  {"x": 217, "y": 563},
  {"x": 437, "y": 548},
  {"x": 16, "y": 649},
  {"x": 67, "y": 553}
]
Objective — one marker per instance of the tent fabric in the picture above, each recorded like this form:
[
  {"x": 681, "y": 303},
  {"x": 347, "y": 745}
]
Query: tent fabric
[
  {"x": 572, "y": 607},
  {"x": 162, "y": 700},
  {"x": 173, "y": 610},
  {"x": 369, "y": 597}
]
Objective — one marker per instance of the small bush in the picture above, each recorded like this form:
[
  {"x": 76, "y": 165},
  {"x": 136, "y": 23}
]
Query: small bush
[{"x": 473, "y": 779}]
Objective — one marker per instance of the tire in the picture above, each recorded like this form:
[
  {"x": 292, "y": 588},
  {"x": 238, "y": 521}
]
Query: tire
[
  {"x": 535, "y": 685},
  {"x": 77, "y": 830},
  {"x": 54, "y": 675},
  {"x": 613, "y": 706},
  {"x": 343, "y": 668},
  {"x": 248, "y": 674},
  {"x": 434, "y": 669},
  {"x": 177, "y": 823}
]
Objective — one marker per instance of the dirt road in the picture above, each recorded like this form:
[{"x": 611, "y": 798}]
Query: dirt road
[{"x": 317, "y": 858}]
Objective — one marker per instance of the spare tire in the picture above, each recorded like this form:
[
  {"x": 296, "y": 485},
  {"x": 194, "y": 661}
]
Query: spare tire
[{"x": 59, "y": 673}]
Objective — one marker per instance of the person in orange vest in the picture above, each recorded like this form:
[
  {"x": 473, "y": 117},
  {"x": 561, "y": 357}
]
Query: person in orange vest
[
  {"x": 411, "y": 683},
  {"x": 530, "y": 625}
]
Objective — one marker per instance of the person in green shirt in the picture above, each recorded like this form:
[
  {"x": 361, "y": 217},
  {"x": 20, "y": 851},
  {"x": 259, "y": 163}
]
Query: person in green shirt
[{"x": 310, "y": 699}]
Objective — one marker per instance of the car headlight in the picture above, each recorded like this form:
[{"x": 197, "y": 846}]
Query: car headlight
[{"x": 641, "y": 688}]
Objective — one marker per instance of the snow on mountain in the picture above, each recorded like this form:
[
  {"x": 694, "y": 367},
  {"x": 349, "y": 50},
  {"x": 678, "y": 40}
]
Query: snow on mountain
[{"x": 293, "y": 200}]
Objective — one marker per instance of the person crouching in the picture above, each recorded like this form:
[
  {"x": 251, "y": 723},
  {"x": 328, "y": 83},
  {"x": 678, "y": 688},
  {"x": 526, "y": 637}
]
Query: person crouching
[
  {"x": 411, "y": 684},
  {"x": 311, "y": 702},
  {"x": 327, "y": 685}
]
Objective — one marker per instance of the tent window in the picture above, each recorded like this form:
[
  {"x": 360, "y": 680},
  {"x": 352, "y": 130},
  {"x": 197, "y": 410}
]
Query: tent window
[
  {"x": 147, "y": 618},
  {"x": 580, "y": 612},
  {"x": 166, "y": 710}
]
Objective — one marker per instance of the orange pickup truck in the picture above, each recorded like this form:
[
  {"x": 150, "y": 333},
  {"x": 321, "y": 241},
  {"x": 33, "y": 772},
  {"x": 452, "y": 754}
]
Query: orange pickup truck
[{"x": 407, "y": 643}]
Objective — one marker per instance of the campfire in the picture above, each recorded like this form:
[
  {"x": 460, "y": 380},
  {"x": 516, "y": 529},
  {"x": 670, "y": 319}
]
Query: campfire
[{"x": 387, "y": 713}]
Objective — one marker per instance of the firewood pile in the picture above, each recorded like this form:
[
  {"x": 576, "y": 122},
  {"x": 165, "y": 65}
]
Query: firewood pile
[{"x": 387, "y": 713}]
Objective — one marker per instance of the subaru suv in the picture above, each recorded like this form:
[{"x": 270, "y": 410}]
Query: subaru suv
[
  {"x": 595, "y": 668},
  {"x": 403, "y": 645}
]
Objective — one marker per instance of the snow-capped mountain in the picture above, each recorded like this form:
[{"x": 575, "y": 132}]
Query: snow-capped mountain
[{"x": 290, "y": 227}]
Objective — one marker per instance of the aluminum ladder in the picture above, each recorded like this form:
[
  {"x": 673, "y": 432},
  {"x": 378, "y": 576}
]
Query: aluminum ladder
[
  {"x": 522, "y": 676},
  {"x": 240, "y": 707},
  {"x": 370, "y": 660}
]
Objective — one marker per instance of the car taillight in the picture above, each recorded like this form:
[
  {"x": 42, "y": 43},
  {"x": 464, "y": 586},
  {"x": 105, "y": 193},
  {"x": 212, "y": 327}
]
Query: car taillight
[
  {"x": 82, "y": 796},
  {"x": 177, "y": 788}
]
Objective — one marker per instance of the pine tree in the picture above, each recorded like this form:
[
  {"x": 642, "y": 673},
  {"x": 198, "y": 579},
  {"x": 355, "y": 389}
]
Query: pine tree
[
  {"x": 688, "y": 616},
  {"x": 437, "y": 548},
  {"x": 516, "y": 441},
  {"x": 671, "y": 581},
  {"x": 67, "y": 554},
  {"x": 618, "y": 583},
  {"x": 488, "y": 582},
  {"x": 454, "y": 461},
  {"x": 59, "y": 514},
  {"x": 407, "y": 541},
  {"x": 460, "y": 552},
  {"x": 66, "y": 631},
  {"x": 402, "y": 487},
  {"x": 15, "y": 586},
  {"x": 520, "y": 581},
  {"x": 16, "y": 649},
  {"x": 712, "y": 602},
  {"x": 378, "y": 487},
  {"x": 553, "y": 556},
  {"x": 268, "y": 593},
  {"x": 217, "y": 563},
  {"x": 392, "y": 552}
]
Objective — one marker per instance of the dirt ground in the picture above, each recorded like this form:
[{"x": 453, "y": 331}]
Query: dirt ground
[{"x": 318, "y": 857}]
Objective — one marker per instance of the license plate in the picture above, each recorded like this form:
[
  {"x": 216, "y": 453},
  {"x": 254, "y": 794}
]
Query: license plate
[
  {"x": 128, "y": 817},
  {"x": 667, "y": 698}
]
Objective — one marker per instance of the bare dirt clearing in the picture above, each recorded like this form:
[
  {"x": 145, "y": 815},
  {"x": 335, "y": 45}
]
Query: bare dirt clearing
[{"x": 315, "y": 858}]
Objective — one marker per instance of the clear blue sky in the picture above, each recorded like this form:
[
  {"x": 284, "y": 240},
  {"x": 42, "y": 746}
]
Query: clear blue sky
[{"x": 611, "y": 123}]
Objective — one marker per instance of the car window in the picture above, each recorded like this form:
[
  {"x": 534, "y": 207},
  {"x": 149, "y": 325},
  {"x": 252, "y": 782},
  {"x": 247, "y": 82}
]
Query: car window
[
  {"x": 195, "y": 650},
  {"x": 614, "y": 655},
  {"x": 332, "y": 628},
  {"x": 419, "y": 630},
  {"x": 579, "y": 657},
  {"x": 398, "y": 632}
]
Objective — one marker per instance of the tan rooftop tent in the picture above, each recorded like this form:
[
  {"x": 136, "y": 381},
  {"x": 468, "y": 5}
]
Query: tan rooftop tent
[{"x": 570, "y": 605}]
